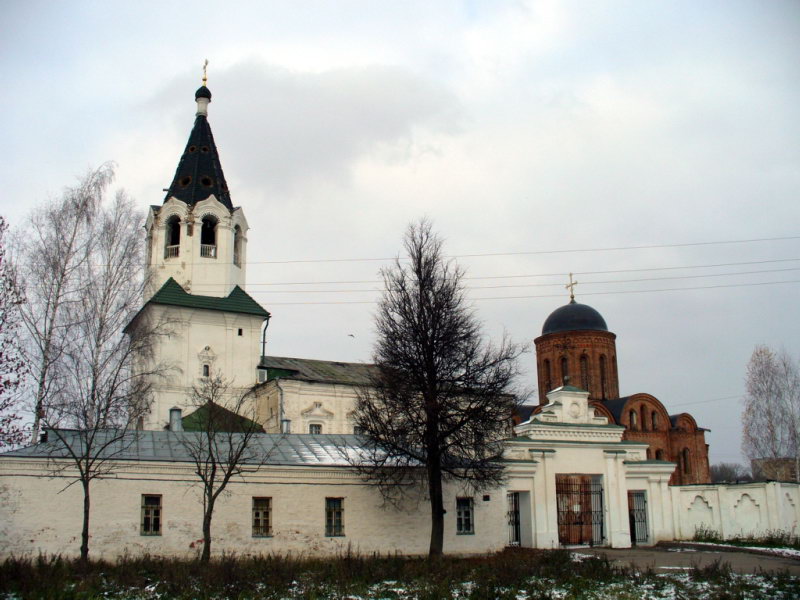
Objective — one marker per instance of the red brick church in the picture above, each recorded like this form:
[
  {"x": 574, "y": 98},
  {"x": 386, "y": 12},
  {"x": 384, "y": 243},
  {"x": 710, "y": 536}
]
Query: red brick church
[{"x": 576, "y": 343}]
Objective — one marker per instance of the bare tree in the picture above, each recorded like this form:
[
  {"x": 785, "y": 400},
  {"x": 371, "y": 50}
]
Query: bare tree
[
  {"x": 12, "y": 364},
  {"x": 54, "y": 245},
  {"x": 224, "y": 443},
  {"x": 729, "y": 473},
  {"x": 87, "y": 393},
  {"x": 771, "y": 417},
  {"x": 440, "y": 399}
]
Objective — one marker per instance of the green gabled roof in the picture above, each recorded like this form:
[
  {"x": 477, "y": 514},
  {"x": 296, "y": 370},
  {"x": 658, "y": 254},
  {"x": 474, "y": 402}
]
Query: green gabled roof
[
  {"x": 221, "y": 420},
  {"x": 238, "y": 301}
]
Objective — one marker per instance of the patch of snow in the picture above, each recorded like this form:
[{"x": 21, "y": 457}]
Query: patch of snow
[
  {"x": 788, "y": 552},
  {"x": 578, "y": 557}
]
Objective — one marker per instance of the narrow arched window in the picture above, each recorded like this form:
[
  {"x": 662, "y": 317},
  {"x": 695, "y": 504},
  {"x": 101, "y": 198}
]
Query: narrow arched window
[
  {"x": 584, "y": 372},
  {"x": 172, "y": 239},
  {"x": 644, "y": 417},
  {"x": 687, "y": 463},
  {"x": 603, "y": 377},
  {"x": 649, "y": 454},
  {"x": 654, "y": 420},
  {"x": 659, "y": 455},
  {"x": 237, "y": 246},
  {"x": 548, "y": 376},
  {"x": 634, "y": 420},
  {"x": 564, "y": 370},
  {"x": 208, "y": 237}
]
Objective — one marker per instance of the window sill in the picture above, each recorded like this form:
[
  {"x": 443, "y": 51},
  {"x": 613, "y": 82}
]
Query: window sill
[
  {"x": 335, "y": 535},
  {"x": 465, "y": 533},
  {"x": 262, "y": 535},
  {"x": 150, "y": 535}
]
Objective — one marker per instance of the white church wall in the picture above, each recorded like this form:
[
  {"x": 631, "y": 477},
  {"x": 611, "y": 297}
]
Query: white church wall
[
  {"x": 305, "y": 403},
  {"x": 199, "y": 337},
  {"x": 29, "y": 523}
]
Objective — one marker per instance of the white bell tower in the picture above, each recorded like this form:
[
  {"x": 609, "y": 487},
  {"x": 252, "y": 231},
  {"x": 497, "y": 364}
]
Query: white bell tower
[{"x": 197, "y": 237}]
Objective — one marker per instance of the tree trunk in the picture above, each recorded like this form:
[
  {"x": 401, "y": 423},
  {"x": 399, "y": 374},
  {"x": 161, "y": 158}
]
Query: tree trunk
[
  {"x": 85, "y": 530},
  {"x": 437, "y": 508},
  {"x": 206, "y": 555}
]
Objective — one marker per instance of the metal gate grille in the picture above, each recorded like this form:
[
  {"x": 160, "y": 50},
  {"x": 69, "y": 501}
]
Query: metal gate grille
[
  {"x": 580, "y": 510},
  {"x": 513, "y": 519},
  {"x": 637, "y": 516}
]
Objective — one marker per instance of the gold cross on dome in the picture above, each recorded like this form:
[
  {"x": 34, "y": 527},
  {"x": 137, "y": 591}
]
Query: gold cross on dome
[
  {"x": 205, "y": 72},
  {"x": 571, "y": 287}
]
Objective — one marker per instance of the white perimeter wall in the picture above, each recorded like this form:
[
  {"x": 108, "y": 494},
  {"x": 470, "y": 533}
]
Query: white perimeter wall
[
  {"x": 37, "y": 515},
  {"x": 736, "y": 509}
]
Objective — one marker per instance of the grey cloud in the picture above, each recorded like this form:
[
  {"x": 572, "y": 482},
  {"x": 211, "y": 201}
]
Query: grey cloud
[{"x": 305, "y": 127}]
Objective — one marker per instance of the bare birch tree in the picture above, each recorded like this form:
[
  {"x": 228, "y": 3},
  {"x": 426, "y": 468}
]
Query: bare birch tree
[
  {"x": 87, "y": 393},
  {"x": 54, "y": 244},
  {"x": 440, "y": 399},
  {"x": 12, "y": 364},
  {"x": 223, "y": 443},
  {"x": 771, "y": 417}
]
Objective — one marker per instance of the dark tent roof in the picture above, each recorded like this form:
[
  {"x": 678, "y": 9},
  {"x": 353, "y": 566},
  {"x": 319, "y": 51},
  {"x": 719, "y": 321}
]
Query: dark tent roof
[{"x": 199, "y": 173}]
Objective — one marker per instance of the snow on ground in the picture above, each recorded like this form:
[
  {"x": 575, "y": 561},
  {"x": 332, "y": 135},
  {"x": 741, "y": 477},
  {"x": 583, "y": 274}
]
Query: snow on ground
[{"x": 785, "y": 552}]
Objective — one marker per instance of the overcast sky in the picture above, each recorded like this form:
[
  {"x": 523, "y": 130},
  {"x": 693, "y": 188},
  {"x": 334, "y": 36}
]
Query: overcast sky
[{"x": 544, "y": 136}]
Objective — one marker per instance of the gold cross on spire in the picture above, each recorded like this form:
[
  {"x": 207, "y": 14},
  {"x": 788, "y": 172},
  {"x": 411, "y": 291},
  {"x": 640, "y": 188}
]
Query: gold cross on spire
[
  {"x": 205, "y": 72},
  {"x": 571, "y": 287}
]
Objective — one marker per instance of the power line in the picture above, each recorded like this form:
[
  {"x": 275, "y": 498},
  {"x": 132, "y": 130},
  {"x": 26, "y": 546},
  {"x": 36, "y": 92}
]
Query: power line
[
  {"x": 530, "y": 275},
  {"x": 707, "y": 401},
  {"x": 537, "y": 252},
  {"x": 561, "y": 295},
  {"x": 523, "y": 285}
]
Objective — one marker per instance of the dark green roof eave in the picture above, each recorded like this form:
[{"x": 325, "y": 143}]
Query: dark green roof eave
[{"x": 238, "y": 301}]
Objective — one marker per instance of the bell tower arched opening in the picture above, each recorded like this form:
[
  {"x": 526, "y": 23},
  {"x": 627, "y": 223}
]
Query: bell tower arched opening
[
  {"x": 172, "y": 239},
  {"x": 208, "y": 237}
]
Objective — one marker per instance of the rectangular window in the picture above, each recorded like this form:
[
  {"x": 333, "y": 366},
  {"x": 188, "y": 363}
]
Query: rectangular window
[
  {"x": 464, "y": 521},
  {"x": 151, "y": 514},
  {"x": 315, "y": 429},
  {"x": 262, "y": 517},
  {"x": 334, "y": 517}
]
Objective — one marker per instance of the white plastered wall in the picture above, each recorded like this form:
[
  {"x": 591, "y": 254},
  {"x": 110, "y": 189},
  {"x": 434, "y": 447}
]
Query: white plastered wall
[
  {"x": 327, "y": 404},
  {"x": 751, "y": 509},
  {"x": 29, "y": 525},
  {"x": 197, "y": 337}
]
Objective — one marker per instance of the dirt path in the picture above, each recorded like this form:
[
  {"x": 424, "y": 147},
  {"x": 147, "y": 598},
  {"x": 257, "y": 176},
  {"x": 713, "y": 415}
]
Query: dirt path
[{"x": 676, "y": 559}]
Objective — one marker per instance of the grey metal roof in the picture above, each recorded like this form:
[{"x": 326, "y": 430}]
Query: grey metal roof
[
  {"x": 323, "y": 371},
  {"x": 171, "y": 446}
]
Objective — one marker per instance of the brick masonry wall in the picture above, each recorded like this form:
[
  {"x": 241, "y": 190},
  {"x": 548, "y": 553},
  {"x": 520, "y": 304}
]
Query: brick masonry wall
[{"x": 572, "y": 346}]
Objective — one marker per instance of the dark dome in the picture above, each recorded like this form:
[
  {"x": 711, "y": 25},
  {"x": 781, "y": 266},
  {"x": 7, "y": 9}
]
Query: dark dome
[
  {"x": 202, "y": 92},
  {"x": 574, "y": 317}
]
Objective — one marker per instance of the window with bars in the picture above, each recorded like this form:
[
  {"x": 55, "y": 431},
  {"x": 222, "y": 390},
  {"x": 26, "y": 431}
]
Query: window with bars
[
  {"x": 464, "y": 516},
  {"x": 315, "y": 429},
  {"x": 334, "y": 517},
  {"x": 151, "y": 514},
  {"x": 262, "y": 517}
]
